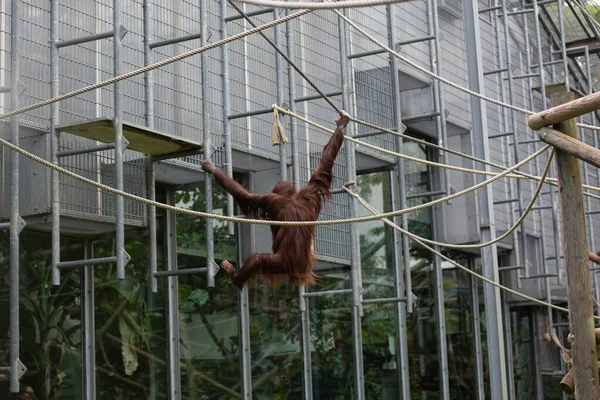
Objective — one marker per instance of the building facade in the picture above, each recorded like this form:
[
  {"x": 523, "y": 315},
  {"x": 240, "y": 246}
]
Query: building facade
[{"x": 115, "y": 297}]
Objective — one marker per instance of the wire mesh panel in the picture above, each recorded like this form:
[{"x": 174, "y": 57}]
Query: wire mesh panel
[{"x": 34, "y": 178}]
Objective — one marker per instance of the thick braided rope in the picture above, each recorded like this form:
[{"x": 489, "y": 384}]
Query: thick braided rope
[
  {"x": 442, "y": 79},
  {"x": 155, "y": 65},
  {"x": 516, "y": 175},
  {"x": 268, "y": 222},
  {"x": 318, "y": 5},
  {"x": 421, "y": 241},
  {"x": 499, "y": 238}
]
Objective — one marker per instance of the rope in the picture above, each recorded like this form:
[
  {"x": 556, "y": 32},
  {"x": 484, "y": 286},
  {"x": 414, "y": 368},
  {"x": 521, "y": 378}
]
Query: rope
[
  {"x": 155, "y": 65},
  {"x": 260, "y": 221},
  {"x": 517, "y": 174},
  {"x": 504, "y": 235},
  {"x": 421, "y": 241},
  {"x": 278, "y": 135},
  {"x": 442, "y": 79},
  {"x": 315, "y": 5}
]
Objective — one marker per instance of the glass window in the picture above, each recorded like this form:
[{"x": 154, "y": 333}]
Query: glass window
[
  {"x": 208, "y": 317},
  {"x": 130, "y": 347},
  {"x": 50, "y": 318}
]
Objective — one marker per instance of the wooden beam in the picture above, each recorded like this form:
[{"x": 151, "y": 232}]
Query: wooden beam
[
  {"x": 574, "y": 147},
  {"x": 575, "y": 47},
  {"x": 563, "y": 112},
  {"x": 579, "y": 289}
]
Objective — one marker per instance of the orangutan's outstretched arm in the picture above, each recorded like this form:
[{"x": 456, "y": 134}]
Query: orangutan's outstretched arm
[
  {"x": 322, "y": 178},
  {"x": 249, "y": 203}
]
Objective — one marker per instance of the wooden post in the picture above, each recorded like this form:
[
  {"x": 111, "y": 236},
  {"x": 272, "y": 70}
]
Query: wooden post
[{"x": 579, "y": 288}]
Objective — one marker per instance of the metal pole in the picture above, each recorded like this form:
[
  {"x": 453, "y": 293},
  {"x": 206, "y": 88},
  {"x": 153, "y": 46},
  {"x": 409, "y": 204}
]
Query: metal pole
[
  {"x": 54, "y": 120},
  {"x": 14, "y": 200},
  {"x": 304, "y": 317},
  {"x": 208, "y": 192},
  {"x": 149, "y": 116},
  {"x": 478, "y": 356},
  {"x": 513, "y": 118},
  {"x": 151, "y": 179},
  {"x": 563, "y": 47},
  {"x": 540, "y": 199},
  {"x": 354, "y": 241},
  {"x": 172, "y": 303},
  {"x": 401, "y": 245},
  {"x": 228, "y": 164},
  {"x": 119, "y": 144},
  {"x": 438, "y": 87},
  {"x": 244, "y": 315},
  {"x": 505, "y": 133},
  {"x": 596, "y": 145},
  {"x": 438, "y": 95},
  {"x": 555, "y": 212},
  {"x": 89, "y": 330},
  {"x": 489, "y": 257},
  {"x": 279, "y": 76}
]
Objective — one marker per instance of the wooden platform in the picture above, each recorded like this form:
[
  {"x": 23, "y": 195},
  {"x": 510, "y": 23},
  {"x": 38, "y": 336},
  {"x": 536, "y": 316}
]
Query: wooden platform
[{"x": 143, "y": 139}]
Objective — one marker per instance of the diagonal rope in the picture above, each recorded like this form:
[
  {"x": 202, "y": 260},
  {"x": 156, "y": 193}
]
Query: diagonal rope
[
  {"x": 442, "y": 79},
  {"x": 268, "y": 222},
  {"x": 505, "y": 234},
  {"x": 517, "y": 174},
  {"x": 421, "y": 241},
  {"x": 156, "y": 65}
]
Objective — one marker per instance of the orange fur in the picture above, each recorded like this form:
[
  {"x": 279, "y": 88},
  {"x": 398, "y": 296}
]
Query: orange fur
[{"x": 292, "y": 256}]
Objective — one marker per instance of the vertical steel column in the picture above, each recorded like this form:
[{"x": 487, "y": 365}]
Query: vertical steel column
[
  {"x": 119, "y": 142},
  {"x": 439, "y": 105},
  {"x": 280, "y": 93},
  {"x": 208, "y": 192},
  {"x": 555, "y": 224},
  {"x": 477, "y": 337},
  {"x": 304, "y": 317},
  {"x": 590, "y": 222},
  {"x": 401, "y": 246},
  {"x": 438, "y": 86},
  {"x": 89, "y": 330},
  {"x": 547, "y": 286},
  {"x": 515, "y": 135},
  {"x": 508, "y": 182},
  {"x": 346, "y": 76},
  {"x": 244, "y": 315},
  {"x": 14, "y": 199},
  {"x": 226, "y": 109},
  {"x": 496, "y": 351},
  {"x": 509, "y": 351},
  {"x": 149, "y": 116},
  {"x": 174, "y": 381},
  {"x": 151, "y": 178},
  {"x": 563, "y": 47},
  {"x": 55, "y": 115}
]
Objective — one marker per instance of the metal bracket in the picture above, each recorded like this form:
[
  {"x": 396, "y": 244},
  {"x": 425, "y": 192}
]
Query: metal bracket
[
  {"x": 213, "y": 270},
  {"x": 125, "y": 143},
  {"x": 209, "y": 33},
  {"x": 21, "y": 368},
  {"x": 412, "y": 301},
  {"x": 21, "y": 87},
  {"x": 21, "y": 224},
  {"x": 122, "y": 31},
  {"x": 403, "y": 128},
  {"x": 126, "y": 257}
]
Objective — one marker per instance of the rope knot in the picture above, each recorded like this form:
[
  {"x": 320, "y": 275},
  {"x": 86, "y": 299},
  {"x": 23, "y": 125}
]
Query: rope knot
[{"x": 278, "y": 134}]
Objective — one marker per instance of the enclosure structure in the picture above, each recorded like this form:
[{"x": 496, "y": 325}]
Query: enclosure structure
[{"x": 116, "y": 298}]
